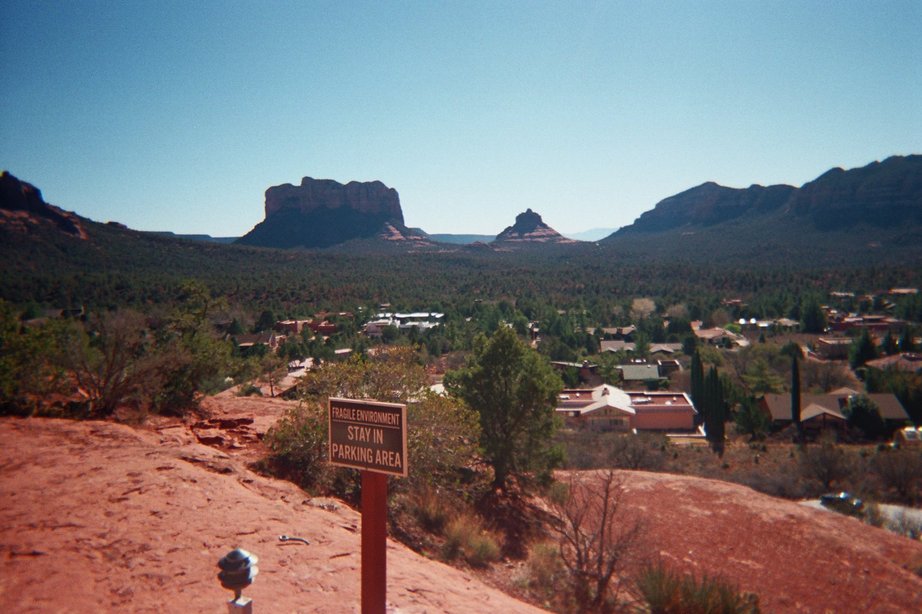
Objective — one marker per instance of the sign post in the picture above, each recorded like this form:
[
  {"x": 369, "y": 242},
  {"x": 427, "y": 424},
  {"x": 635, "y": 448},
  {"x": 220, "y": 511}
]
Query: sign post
[{"x": 372, "y": 437}]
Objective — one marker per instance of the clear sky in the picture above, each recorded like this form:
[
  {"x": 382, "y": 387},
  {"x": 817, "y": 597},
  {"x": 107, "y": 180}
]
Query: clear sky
[{"x": 177, "y": 115}]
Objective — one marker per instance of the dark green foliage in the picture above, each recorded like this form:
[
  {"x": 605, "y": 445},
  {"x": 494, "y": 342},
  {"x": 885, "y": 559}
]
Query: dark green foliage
[
  {"x": 265, "y": 321},
  {"x": 118, "y": 358},
  {"x": 114, "y": 362},
  {"x": 862, "y": 350},
  {"x": 118, "y": 267},
  {"x": 28, "y": 370},
  {"x": 761, "y": 379},
  {"x": 697, "y": 384},
  {"x": 864, "y": 416},
  {"x": 442, "y": 434},
  {"x": 812, "y": 316},
  {"x": 907, "y": 340},
  {"x": 792, "y": 349},
  {"x": 514, "y": 391},
  {"x": 795, "y": 399},
  {"x": 715, "y": 411},
  {"x": 889, "y": 345},
  {"x": 751, "y": 420}
]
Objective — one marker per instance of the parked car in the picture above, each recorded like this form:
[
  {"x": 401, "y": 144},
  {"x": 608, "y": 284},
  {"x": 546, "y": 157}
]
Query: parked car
[{"x": 843, "y": 502}]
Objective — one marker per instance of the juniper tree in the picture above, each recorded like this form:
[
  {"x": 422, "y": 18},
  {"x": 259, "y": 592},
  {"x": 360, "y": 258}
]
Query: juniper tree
[{"x": 514, "y": 390}]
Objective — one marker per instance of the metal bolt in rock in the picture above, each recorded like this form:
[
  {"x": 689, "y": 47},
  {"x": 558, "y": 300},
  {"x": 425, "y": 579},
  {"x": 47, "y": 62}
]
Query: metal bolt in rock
[
  {"x": 238, "y": 569},
  {"x": 289, "y": 538}
]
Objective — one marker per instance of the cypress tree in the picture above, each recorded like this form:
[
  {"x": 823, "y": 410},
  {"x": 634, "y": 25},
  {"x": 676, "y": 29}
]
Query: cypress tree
[
  {"x": 795, "y": 398},
  {"x": 862, "y": 350},
  {"x": 714, "y": 411},
  {"x": 697, "y": 386},
  {"x": 889, "y": 344},
  {"x": 906, "y": 343}
]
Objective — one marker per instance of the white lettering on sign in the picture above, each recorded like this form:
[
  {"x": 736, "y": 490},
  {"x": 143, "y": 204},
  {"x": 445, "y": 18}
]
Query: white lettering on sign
[{"x": 368, "y": 435}]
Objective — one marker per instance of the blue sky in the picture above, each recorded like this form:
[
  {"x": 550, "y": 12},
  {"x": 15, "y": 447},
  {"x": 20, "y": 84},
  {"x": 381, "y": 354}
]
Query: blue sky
[{"x": 176, "y": 115}]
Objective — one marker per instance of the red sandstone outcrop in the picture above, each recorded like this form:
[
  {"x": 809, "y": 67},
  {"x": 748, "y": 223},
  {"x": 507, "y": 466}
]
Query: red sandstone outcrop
[
  {"x": 22, "y": 207},
  {"x": 530, "y": 228},
  {"x": 371, "y": 197},
  {"x": 324, "y": 213}
]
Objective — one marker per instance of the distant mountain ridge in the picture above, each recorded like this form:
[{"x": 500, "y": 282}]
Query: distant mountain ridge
[
  {"x": 864, "y": 215},
  {"x": 193, "y": 237},
  {"x": 884, "y": 194}
]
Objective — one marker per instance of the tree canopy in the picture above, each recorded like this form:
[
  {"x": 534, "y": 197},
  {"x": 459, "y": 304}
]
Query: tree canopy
[{"x": 514, "y": 391}]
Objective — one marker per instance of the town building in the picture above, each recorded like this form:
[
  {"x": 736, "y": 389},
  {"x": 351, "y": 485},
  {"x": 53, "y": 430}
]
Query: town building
[{"x": 608, "y": 408}]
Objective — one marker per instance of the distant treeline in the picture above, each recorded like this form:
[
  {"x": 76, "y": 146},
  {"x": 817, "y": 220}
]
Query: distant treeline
[{"x": 119, "y": 268}]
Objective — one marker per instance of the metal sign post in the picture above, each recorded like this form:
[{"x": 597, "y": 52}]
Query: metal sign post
[{"x": 372, "y": 437}]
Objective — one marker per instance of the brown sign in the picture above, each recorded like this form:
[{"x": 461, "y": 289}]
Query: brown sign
[{"x": 368, "y": 435}]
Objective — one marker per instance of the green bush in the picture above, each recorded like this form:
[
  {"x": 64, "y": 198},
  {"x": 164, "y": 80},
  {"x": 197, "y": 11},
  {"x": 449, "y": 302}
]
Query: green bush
[
  {"x": 668, "y": 592},
  {"x": 298, "y": 446},
  {"x": 249, "y": 390}
]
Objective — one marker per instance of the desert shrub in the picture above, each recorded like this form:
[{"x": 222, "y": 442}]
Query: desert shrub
[
  {"x": 249, "y": 390},
  {"x": 466, "y": 537},
  {"x": 593, "y": 450},
  {"x": 667, "y": 592},
  {"x": 543, "y": 569},
  {"x": 900, "y": 471},
  {"x": 906, "y": 525},
  {"x": 827, "y": 464},
  {"x": 430, "y": 510},
  {"x": 298, "y": 446},
  {"x": 778, "y": 483},
  {"x": 583, "y": 450},
  {"x": 483, "y": 551},
  {"x": 874, "y": 516},
  {"x": 641, "y": 451},
  {"x": 442, "y": 433}
]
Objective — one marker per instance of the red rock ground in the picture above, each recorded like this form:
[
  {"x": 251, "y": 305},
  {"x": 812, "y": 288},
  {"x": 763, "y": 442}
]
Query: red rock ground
[
  {"x": 794, "y": 557},
  {"x": 99, "y": 516}
]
